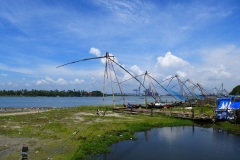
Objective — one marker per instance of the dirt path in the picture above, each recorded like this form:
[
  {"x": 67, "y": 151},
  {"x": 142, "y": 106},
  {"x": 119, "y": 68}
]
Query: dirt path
[
  {"x": 21, "y": 111},
  {"x": 18, "y": 113},
  {"x": 13, "y": 144}
]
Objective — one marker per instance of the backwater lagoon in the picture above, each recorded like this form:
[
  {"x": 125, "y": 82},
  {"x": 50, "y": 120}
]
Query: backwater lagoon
[{"x": 177, "y": 143}]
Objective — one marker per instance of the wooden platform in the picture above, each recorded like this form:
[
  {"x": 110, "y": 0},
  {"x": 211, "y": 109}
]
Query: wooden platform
[{"x": 174, "y": 114}]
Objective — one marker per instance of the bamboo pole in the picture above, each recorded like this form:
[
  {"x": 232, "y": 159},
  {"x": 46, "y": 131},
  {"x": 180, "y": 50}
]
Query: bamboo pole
[{"x": 114, "y": 103}]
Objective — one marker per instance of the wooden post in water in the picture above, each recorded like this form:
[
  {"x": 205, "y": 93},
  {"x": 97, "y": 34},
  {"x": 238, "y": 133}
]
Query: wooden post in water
[
  {"x": 183, "y": 109},
  {"x": 146, "y": 99},
  {"x": 192, "y": 113},
  {"x": 171, "y": 112},
  {"x": 234, "y": 117},
  {"x": 237, "y": 116},
  {"x": 214, "y": 108},
  {"x": 226, "y": 112}
]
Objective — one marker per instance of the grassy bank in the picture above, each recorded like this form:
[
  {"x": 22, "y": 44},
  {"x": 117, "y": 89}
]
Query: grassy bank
[{"x": 75, "y": 133}]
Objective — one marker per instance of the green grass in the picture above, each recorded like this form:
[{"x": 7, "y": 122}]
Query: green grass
[{"x": 76, "y": 133}]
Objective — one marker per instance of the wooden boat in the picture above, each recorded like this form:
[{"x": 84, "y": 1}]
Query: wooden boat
[{"x": 132, "y": 105}]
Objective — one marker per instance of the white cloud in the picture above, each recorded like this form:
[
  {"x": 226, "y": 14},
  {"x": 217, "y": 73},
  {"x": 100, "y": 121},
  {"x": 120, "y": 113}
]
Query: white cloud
[
  {"x": 4, "y": 74},
  {"x": 59, "y": 81},
  {"x": 181, "y": 74},
  {"x": 218, "y": 65},
  {"x": 49, "y": 79},
  {"x": 214, "y": 74},
  {"x": 171, "y": 65},
  {"x": 27, "y": 84},
  {"x": 170, "y": 60},
  {"x": 10, "y": 83},
  {"x": 167, "y": 77},
  {"x": 77, "y": 81},
  {"x": 95, "y": 52},
  {"x": 225, "y": 74},
  {"x": 135, "y": 69},
  {"x": 40, "y": 82}
]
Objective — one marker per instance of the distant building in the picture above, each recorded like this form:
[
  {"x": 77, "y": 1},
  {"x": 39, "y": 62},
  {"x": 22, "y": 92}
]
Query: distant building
[{"x": 150, "y": 92}]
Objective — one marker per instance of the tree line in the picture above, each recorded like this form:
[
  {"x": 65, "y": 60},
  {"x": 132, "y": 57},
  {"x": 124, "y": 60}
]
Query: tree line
[
  {"x": 50, "y": 93},
  {"x": 235, "y": 91}
]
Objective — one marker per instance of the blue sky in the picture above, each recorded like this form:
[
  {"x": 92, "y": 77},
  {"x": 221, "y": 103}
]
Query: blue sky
[{"x": 198, "y": 40}]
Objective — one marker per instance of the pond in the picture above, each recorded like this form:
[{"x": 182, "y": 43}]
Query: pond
[{"x": 177, "y": 143}]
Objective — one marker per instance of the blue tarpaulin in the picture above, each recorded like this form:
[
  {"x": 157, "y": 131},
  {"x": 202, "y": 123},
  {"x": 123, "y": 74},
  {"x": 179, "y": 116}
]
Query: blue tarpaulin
[
  {"x": 228, "y": 103},
  {"x": 226, "y": 107},
  {"x": 235, "y": 105},
  {"x": 223, "y": 103}
]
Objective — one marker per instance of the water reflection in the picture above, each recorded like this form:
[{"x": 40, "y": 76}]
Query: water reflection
[{"x": 181, "y": 143}]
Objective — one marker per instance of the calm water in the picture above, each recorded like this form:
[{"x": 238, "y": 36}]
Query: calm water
[
  {"x": 27, "y": 102},
  {"x": 177, "y": 143}
]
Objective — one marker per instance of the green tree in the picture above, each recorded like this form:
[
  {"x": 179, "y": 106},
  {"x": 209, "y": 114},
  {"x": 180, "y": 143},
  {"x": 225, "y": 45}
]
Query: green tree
[
  {"x": 235, "y": 91},
  {"x": 97, "y": 93}
]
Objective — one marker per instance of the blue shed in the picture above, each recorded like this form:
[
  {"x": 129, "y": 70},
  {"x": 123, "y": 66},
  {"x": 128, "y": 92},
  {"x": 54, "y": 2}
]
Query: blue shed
[{"x": 226, "y": 106}]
